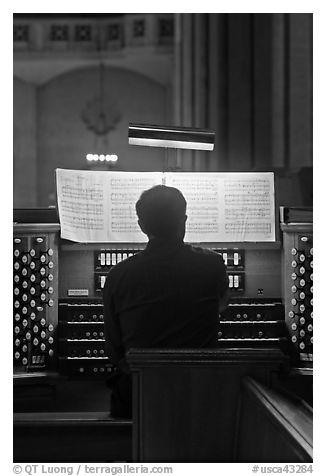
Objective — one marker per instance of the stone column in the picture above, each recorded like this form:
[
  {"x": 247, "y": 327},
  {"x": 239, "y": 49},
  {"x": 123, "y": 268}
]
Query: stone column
[{"x": 199, "y": 83}]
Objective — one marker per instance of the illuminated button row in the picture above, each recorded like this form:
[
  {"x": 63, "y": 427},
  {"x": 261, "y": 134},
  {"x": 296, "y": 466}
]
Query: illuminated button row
[
  {"x": 102, "y": 281},
  {"x": 113, "y": 257},
  {"x": 28, "y": 336},
  {"x": 301, "y": 257},
  {"x": 301, "y": 344},
  {"x": 295, "y": 276},
  {"x": 301, "y": 319},
  {"x": 32, "y": 290},
  {"x": 32, "y": 267},
  {"x": 236, "y": 335},
  {"x": 295, "y": 251},
  {"x": 301, "y": 295},
  {"x": 25, "y": 255},
  {"x": 308, "y": 301},
  {"x": 252, "y": 312},
  {"x": 35, "y": 341},
  {"x": 87, "y": 318},
  {"x": 301, "y": 308},
  {"x": 301, "y": 284},
  {"x": 302, "y": 332},
  {"x": 302, "y": 269},
  {"x": 42, "y": 323},
  {"x": 37, "y": 239},
  {"x": 33, "y": 279},
  {"x": 246, "y": 317},
  {"x": 36, "y": 330},
  {"x": 235, "y": 281},
  {"x": 32, "y": 317},
  {"x": 87, "y": 354},
  {"x": 94, "y": 335},
  {"x": 95, "y": 352},
  {"x": 231, "y": 259},
  {"x": 31, "y": 303},
  {"x": 88, "y": 335},
  {"x": 95, "y": 370}
]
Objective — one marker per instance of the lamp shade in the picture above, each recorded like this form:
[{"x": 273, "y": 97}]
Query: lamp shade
[{"x": 168, "y": 136}]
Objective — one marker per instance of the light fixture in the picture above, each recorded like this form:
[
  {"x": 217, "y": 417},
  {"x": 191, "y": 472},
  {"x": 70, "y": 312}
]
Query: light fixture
[
  {"x": 96, "y": 157},
  {"x": 101, "y": 116},
  {"x": 172, "y": 137}
]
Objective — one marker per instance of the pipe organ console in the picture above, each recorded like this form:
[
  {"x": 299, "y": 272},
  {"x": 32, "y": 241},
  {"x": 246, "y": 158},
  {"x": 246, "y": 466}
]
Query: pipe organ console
[
  {"x": 58, "y": 311},
  {"x": 58, "y": 325},
  {"x": 254, "y": 317}
]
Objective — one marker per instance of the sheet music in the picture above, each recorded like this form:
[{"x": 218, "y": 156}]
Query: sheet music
[
  {"x": 203, "y": 197},
  {"x": 83, "y": 205},
  {"x": 221, "y": 207},
  {"x": 227, "y": 206},
  {"x": 100, "y": 206},
  {"x": 125, "y": 188},
  {"x": 249, "y": 206}
]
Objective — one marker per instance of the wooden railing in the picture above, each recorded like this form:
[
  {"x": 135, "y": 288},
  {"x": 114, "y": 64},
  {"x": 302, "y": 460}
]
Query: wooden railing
[{"x": 273, "y": 426}]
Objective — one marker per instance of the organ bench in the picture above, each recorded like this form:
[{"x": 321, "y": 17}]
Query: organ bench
[{"x": 215, "y": 405}]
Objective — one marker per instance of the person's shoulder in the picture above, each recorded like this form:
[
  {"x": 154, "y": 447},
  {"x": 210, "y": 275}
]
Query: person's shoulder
[{"x": 121, "y": 269}]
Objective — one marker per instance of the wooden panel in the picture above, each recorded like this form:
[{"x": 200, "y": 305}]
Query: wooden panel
[
  {"x": 185, "y": 402},
  {"x": 273, "y": 427},
  {"x": 171, "y": 401},
  {"x": 62, "y": 420},
  {"x": 71, "y": 437},
  {"x": 263, "y": 273},
  {"x": 76, "y": 271}
]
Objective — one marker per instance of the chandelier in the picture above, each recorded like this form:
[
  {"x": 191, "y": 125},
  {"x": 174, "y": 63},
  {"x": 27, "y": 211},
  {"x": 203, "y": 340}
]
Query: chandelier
[{"x": 101, "y": 116}]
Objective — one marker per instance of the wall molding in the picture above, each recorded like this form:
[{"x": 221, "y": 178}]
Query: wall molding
[{"x": 47, "y": 47}]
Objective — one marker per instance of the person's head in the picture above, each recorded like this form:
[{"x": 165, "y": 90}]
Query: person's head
[{"x": 161, "y": 212}]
